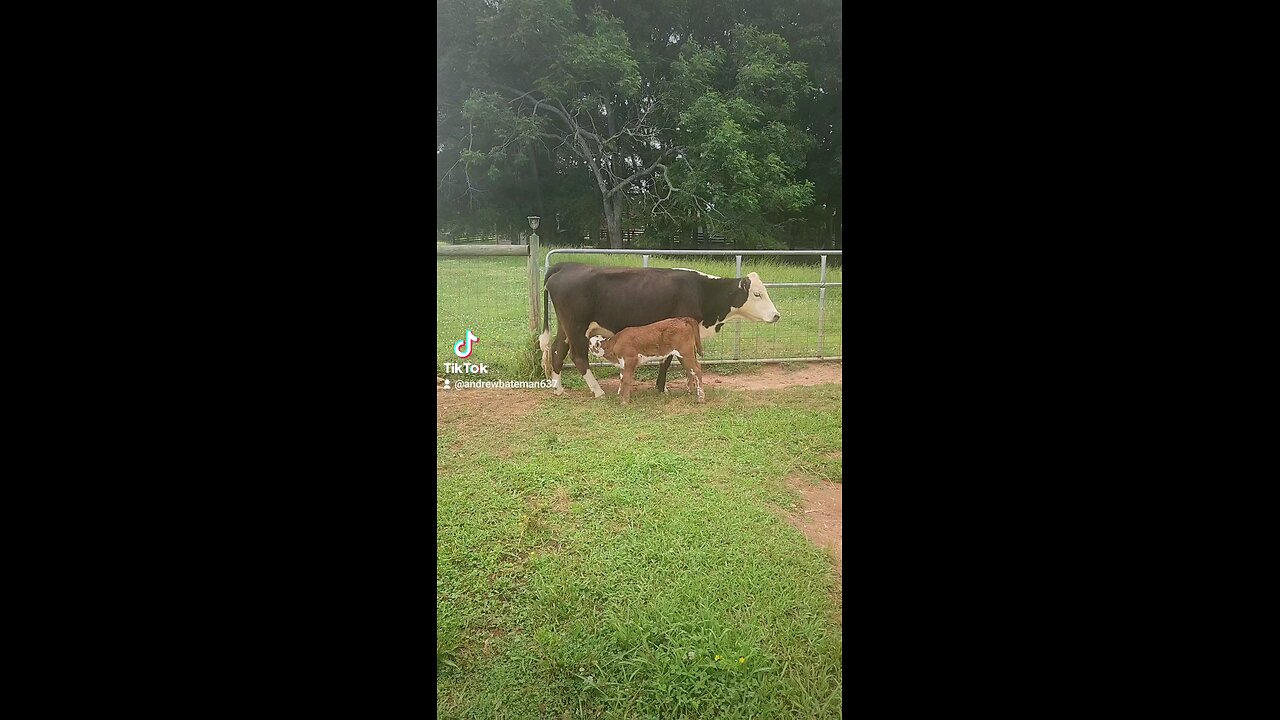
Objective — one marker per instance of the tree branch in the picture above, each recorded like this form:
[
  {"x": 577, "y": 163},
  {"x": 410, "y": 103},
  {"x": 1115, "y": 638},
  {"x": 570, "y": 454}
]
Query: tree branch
[{"x": 641, "y": 173}]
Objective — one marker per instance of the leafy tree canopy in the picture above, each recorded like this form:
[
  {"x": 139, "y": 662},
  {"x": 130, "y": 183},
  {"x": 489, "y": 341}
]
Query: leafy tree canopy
[{"x": 678, "y": 113}]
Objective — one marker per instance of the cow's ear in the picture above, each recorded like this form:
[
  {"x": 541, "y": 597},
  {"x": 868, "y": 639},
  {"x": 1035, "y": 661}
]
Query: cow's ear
[{"x": 745, "y": 284}]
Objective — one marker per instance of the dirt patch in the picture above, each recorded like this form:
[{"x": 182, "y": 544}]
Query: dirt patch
[
  {"x": 561, "y": 504},
  {"x": 770, "y": 376},
  {"x": 775, "y": 376},
  {"x": 821, "y": 516},
  {"x": 482, "y": 643},
  {"x": 491, "y": 410}
]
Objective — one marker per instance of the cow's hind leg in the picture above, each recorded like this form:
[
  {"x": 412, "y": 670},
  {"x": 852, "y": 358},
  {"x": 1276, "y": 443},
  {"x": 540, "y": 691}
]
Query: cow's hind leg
[
  {"x": 559, "y": 349},
  {"x": 662, "y": 373}
]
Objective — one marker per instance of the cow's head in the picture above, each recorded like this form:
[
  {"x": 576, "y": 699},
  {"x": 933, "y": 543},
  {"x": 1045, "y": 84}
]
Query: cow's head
[
  {"x": 751, "y": 302},
  {"x": 596, "y": 345}
]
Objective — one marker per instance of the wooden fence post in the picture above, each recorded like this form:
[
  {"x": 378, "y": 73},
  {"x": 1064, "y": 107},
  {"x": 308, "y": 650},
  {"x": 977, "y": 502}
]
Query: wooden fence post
[{"x": 535, "y": 292}]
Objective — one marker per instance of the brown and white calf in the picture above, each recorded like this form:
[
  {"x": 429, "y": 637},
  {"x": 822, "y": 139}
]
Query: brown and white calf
[{"x": 673, "y": 337}]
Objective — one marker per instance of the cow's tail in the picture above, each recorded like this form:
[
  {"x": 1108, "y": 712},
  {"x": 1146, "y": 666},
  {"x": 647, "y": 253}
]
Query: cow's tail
[
  {"x": 544, "y": 343},
  {"x": 544, "y": 340}
]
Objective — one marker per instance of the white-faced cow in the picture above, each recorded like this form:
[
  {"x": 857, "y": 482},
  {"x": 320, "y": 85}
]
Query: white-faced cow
[
  {"x": 593, "y": 300},
  {"x": 676, "y": 337}
]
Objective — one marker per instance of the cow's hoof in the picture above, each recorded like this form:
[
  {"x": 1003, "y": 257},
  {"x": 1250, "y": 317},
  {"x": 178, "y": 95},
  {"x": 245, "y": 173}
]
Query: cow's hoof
[
  {"x": 598, "y": 394},
  {"x": 558, "y": 391}
]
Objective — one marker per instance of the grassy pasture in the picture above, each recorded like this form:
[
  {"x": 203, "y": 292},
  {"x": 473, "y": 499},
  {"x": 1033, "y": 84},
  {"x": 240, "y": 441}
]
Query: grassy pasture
[
  {"x": 607, "y": 562},
  {"x": 600, "y": 561}
]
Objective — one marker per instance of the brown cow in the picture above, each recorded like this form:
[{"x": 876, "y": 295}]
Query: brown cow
[{"x": 677, "y": 337}]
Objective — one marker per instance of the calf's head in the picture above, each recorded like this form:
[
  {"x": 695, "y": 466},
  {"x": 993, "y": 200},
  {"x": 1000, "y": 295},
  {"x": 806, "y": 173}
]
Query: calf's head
[{"x": 596, "y": 345}]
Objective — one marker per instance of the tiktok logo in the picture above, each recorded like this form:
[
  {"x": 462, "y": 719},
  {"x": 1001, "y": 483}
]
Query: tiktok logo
[{"x": 458, "y": 348}]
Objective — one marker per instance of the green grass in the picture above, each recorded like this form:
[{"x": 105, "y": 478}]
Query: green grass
[
  {"x": 594, "y": 559},
  {"x": 489, "y": 296}
]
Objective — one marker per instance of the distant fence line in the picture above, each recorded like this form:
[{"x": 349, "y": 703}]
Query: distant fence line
[
  {"x": 537, "y": 290},
  {"x": 531, "y": 250}
]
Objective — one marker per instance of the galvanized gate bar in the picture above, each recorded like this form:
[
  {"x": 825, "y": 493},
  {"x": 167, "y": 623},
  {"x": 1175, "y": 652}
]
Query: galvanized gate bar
[
  {"x": 728, "y": 362},
  {"x": 737, "y": 327},
  {"x": 822, "y": 301},
  {"x": 817, "y": 284},
  {"x": 607, "y": 251}
]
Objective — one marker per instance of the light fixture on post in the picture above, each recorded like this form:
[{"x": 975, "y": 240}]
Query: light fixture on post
[{"x": 535, "y": 274}]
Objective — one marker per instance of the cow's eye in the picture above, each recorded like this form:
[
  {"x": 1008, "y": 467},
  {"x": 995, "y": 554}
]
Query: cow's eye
[{"x": 757, "y": 294}]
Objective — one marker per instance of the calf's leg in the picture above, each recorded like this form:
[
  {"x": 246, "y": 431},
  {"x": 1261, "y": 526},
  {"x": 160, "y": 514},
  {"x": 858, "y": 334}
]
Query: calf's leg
[
  {"x": 694, "y": 370},
  {"x": 628, "y": 379}
]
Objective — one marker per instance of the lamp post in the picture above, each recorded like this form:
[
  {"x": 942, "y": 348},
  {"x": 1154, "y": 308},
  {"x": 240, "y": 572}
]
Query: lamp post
[{"x": 534, "y": 274}]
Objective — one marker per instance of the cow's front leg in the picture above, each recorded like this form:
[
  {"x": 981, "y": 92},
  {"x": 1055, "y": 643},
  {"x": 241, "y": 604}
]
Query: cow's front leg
[{"x": 578, "y": 349}]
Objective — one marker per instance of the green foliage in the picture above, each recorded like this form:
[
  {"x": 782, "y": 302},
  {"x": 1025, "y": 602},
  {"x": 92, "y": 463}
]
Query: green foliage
[
  {"x": 739, "y": 101},
  {"x": 600, "y": 59}
]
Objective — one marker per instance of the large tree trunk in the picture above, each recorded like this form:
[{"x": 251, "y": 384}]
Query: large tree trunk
[
  {"x": 613, "y": 204},
  {"x": 613, "y": 218}
]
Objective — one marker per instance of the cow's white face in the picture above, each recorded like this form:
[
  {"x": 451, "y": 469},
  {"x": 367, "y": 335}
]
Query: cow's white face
[
  {"x": 758, "y": 307},
  {"x": 596, "y": 345}
]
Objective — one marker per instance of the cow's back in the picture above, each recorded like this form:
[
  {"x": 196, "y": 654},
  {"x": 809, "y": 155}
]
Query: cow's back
[{"x": 618, "y": 298}]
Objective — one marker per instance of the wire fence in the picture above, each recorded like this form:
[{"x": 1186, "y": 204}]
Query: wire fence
[
  {"x": 488, "y": 297},
  {"x": 805, "y": 285}
]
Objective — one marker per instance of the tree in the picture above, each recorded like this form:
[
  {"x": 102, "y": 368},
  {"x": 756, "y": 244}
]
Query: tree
[{"x": 663, "y": 107}]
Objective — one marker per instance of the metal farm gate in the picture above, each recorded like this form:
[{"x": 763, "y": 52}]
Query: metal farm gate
[{"x": 811, "y": 328}]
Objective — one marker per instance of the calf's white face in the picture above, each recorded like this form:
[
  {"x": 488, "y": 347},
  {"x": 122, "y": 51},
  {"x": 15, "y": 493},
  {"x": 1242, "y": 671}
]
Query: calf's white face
[
  {"x": 596, "y": 346},
  {"x": 758, "y": 307}
]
